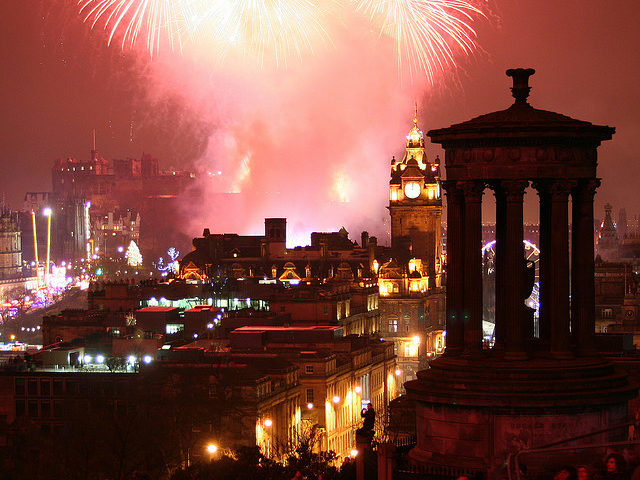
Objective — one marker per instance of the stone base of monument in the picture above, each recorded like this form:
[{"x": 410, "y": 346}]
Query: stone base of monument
[
  {"x": 472, "y": 413},
  {"x": 365, "y": 454}
]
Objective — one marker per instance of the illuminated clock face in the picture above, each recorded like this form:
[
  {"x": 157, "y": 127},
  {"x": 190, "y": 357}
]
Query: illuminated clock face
[{"x": 412, "y": 189}]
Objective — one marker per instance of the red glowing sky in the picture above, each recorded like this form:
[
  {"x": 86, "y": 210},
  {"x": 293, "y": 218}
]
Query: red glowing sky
[{"x": 340, "y": 114}]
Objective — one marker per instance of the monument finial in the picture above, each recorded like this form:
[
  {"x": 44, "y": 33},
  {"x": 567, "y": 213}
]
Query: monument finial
[{"x": 521, "y": 88}]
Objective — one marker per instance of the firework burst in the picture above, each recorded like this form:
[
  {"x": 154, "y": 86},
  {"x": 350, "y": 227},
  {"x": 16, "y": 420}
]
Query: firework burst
[
  {"x": 132, "y": 18},
  {"x": 277, "y": 27},
  {"x": 428, "y": 34}
]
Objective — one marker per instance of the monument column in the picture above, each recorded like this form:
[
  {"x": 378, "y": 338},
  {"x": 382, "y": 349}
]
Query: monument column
[
  {"x": 514, "y": 266},
  {"x": 455, "y": 268},
  {"x": 582, "y": 265},
  {"x": 556, "y": 279},
  {"x": 544, "y": 323},
  {"x": 499, "y": 264},
  {"x": 472, "y": 304}
]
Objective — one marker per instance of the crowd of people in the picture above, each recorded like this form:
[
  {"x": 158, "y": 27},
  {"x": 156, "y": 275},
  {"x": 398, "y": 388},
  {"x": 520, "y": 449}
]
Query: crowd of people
[{"x": 615, "y": 466}]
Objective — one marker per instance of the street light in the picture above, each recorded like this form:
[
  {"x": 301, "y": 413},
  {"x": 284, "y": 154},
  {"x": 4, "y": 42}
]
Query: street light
[
  {"x": 268, "y": 422},
  {"x": 47, "y": 213},
  {"x": 35, "y": 247},
  {"x": 212, "y": 448}
]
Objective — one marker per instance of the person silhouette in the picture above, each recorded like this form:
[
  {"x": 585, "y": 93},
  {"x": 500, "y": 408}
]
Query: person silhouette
[{"x": 369, "y": 415}]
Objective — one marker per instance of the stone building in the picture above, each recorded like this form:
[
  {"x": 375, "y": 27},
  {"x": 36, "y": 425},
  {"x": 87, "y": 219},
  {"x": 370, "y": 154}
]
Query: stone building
[
  {"x": 411, "y": 280},
  {"x": 338, "y": 376},
  {"x": 10, "y": 246},
  {"x": 331, "y": 255},
  {"x": 475, "y": 405},
  {"x": 176, "y": 405}
]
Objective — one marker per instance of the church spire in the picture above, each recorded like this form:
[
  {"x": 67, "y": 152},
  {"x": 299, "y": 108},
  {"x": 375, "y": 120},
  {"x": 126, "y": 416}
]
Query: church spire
[{"x": 415, "y": 138}]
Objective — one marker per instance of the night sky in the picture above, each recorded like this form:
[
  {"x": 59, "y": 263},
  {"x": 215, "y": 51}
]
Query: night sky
[{"x": 60, "y": 80}]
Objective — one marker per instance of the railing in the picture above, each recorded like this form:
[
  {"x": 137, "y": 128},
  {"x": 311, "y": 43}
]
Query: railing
[{"x": 433, "y": 472}]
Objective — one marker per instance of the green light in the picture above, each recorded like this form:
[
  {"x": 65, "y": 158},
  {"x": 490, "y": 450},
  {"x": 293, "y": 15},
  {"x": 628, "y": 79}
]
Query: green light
[{"x": 99, "y": 271}]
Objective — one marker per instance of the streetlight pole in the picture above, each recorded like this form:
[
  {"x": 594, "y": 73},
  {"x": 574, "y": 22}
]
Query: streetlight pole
[
  {"x": 47, "y": 213},
  {"x": 35, "y": 247}
]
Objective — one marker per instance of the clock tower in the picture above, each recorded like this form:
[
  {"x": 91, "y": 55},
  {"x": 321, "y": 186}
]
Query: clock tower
[{"x": 415, "y": 205}]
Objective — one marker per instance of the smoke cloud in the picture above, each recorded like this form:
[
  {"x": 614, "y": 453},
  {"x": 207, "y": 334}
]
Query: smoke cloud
[{"x": 310, "y": 140}]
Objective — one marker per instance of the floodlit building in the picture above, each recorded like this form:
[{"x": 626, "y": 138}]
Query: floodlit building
[{"x": 410, "y": 277}]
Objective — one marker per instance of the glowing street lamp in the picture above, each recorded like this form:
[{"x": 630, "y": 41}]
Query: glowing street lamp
[
  {"x": 310, "y": 406},
  {"x": 47, "y": 213},
  {"x": 268, "y": 422},
  {"x": 336, "y": 399},
  {"x": 35, "y": 247},
  {"x": 212, "y": 448}
]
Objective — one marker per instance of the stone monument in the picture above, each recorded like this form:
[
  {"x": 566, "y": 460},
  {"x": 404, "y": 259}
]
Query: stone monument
[{"x": 475, "y": 405}]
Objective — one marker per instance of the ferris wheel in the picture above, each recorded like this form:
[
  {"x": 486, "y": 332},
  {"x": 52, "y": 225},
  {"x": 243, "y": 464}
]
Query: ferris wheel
[{"x": 531, "y": 255}]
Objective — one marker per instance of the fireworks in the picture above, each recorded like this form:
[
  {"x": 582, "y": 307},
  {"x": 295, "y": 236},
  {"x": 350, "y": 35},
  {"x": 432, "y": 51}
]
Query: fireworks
[
  {"x": 131, "y": 18},
  {"x": 280, "y": 27},
  {"x": 428, "y": 34}
]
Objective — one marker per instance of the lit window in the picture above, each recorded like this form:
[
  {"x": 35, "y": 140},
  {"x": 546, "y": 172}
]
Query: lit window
[
  {"x": 174, "y": 328},
  {"x": 393, "y": 325},
  {"x": 309, "y": 395},
  {"x": 410, "y": 349}
]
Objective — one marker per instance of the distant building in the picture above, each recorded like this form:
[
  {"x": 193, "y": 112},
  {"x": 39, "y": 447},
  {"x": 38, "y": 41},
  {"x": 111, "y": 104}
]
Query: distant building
[
  {"x": 229, "y": 255},
  {"x": 607, "y": 242},
  {"x": 113, "y": 232},
  {"x": 338, "y": 376},
  {"x": 10, "y": 246},
  {"x": 99, "y": 205},
  {"x": 410, "y": 277},
  {"x": 191, "y": 400}
]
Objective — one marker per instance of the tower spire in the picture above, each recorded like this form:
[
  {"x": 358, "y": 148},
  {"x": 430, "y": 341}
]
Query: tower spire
[{"x": 415, "y": 113}]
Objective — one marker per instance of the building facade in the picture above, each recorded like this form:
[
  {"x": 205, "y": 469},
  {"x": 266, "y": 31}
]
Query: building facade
[{"x": 411, "y": 281}]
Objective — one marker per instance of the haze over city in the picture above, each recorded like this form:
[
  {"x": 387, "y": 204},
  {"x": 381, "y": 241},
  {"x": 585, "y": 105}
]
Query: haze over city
[
  {"x": 320, "y": 128},
  {"x": 319, "y": 240}
]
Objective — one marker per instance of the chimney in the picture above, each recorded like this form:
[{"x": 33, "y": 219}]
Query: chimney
[{"x": 364, "y": 239}]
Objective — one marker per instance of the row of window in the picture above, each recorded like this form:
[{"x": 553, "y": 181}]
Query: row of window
[
  {"x": 39, "y": 409},
  {"x": 45, "y": 387}
]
